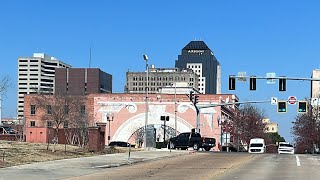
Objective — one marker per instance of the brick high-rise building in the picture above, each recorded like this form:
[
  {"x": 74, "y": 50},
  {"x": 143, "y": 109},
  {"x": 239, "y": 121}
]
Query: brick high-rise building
[{"x": 81, "y": 81}]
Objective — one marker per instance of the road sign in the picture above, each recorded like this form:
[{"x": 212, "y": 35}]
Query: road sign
[
  {"x": 314, "y": 101},
  {"x": 270, "y": 78},
  {"x": 274, "y": 100},
  {"x": 242, "y": 76},
  {"x": 292, "y": 100}
]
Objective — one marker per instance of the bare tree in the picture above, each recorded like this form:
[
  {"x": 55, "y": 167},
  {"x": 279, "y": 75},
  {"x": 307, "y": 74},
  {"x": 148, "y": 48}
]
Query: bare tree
[
  {"x": 306, "y": 130},
  {"x": 4, "y": 84},
  {"x": 61, "y": 109},
  {"x": 246, "y": 124}
]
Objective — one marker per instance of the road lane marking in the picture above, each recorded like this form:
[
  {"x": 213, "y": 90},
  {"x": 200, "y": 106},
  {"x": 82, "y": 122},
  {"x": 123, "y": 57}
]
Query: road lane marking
[{"x": 298, "y": 160}]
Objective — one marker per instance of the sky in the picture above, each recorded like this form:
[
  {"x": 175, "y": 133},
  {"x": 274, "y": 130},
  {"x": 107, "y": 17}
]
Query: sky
[{"x": 256, "y": 37}]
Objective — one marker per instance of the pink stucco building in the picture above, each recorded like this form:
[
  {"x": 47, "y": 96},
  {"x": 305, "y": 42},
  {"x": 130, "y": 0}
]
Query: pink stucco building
[{"x": 128, "y": 112}]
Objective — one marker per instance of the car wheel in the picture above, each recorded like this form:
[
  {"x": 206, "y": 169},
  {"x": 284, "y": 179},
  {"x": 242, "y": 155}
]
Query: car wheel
[
  {"x": 196, "y": 146},
  {"x": 207, "y": 148}
]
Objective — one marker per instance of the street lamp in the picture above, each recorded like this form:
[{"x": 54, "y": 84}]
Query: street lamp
[
  {"x": 220, "y": 122},
  {"x": 145, "y": 57},
  {"x": 175, "y": 108},
  {"x": 110, "y": 118}
]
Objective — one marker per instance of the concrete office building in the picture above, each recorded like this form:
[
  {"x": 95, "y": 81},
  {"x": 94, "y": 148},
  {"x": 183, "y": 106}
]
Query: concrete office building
[
  {"x": 160, "y": 78},
  {"x": 197, "y": 56},
  {"x": 36, "y": 74},
  {"x": 81, "y": 81}
]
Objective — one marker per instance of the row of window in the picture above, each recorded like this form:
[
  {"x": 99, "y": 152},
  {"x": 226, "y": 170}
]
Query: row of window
[
  {"x": 191, "y": 66},
  {"x": 26, "y": 65},
  {"x": 49, "y": 109},
  {"x": 20, "y": 74},
  {"x": 26, "y": 60},
  {"x": 31, "y": 79},
  {"x": 141, "y": 78},
  {"x": 152, "y": 84},
  {"x": 49, "y": 124}
]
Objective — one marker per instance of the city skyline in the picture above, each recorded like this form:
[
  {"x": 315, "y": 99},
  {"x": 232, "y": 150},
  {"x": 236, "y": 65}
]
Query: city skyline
[{"x": 249, "y": 36}]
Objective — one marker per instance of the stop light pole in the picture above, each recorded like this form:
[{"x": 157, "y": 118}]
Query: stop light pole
[{"x": 195, "y": 99}]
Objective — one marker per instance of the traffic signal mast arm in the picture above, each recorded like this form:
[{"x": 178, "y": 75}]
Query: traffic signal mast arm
[
  {"x": 224, "y": 104},
  {"x": 280, "y": 77}
]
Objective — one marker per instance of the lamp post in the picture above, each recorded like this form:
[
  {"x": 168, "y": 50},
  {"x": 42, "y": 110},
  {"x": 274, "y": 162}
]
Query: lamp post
[
  {"x": 175, "y": 108},
  {"x": 110, "y": 118},
  {"x": 145, "y": 57},
  {"x": 220, "y": 122}
]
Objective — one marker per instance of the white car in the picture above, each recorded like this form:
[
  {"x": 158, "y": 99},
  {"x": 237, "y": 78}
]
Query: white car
[{"x": 285, "y": 148}]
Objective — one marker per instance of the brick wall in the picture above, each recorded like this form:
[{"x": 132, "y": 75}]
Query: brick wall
[{"x": 10, "y": 137}]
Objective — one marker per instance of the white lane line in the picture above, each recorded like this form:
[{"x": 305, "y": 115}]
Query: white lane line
[{"x": 298, "y": 160}]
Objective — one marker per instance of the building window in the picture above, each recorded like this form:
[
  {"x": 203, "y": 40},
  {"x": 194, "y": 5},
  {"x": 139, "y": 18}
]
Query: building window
[
  {"x": 65, "y": 124},
  {"x": 32, "y": 123},
  {"x": 49, "y": 109},
  {"x": 66, "y": 109},
  {"x": 49, "y": 123},
  {"x": 33, "y": 109},
  {"x": 82, "y": 109}
]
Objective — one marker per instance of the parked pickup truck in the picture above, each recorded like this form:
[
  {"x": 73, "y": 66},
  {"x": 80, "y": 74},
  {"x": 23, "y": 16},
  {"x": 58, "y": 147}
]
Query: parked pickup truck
[{"x": 188, "y": 139}]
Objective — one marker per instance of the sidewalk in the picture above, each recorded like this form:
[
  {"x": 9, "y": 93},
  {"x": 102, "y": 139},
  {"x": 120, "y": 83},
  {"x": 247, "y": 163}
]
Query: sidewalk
[{"x": 66, "y": 168}]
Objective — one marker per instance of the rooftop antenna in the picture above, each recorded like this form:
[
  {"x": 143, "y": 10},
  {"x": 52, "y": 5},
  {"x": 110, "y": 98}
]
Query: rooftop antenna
[{"x": 90, "y": 58}]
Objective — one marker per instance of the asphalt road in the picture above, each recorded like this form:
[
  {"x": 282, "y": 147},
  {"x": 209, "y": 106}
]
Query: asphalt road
[
  {"x": 201, "y": 165},
  {"x": 274, "y": 167}
]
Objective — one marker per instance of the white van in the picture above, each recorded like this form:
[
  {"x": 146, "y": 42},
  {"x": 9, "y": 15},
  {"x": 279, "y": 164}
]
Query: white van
[{"x": 257, "y": 145}]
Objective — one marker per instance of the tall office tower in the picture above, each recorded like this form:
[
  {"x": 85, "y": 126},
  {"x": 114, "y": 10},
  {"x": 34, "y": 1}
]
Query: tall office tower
[
  {"x": 160, "y": 78},
  {"x": 315, "y": 85},
  {"x": 80, "y": 81},
  {"x": 36, "y": 74},
  {"x": 197, "y": 56}
]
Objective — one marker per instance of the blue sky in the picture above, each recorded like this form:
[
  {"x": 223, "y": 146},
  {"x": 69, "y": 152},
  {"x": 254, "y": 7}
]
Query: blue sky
[{"x": 256, "y": 37}]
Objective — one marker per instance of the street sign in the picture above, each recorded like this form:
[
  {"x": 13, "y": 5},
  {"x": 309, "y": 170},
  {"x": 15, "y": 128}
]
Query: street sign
[
  {"x": 314, "y": 101},
  {"x": 274, "y": 100},
  {"x": 242, "y": 76},
  {"x": 292, "y": 100},
  {"x": 270, "y": 78}
]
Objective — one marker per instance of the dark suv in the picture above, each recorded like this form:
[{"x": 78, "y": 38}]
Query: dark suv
[{"x": 187, "y": 139}]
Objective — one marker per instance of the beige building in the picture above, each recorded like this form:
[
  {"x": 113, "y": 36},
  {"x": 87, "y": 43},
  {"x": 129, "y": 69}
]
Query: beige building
[
  {"x": 315, "y": 85},
  {"x": 161, "y": 79},
  {"x": 271, "y": 127}
]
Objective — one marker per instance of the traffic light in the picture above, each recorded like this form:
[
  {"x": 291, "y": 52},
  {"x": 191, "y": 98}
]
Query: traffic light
[
  {"x": 282, "y": 106},
  {"x": 253, "y": 83},
  {"x": 282, "y": 84},
  {"x": 232, "y": 82},
  {"x": 191, "y": 96},
  {"x": 302, "y": 107},
  {"x": 196, "y": 99}
]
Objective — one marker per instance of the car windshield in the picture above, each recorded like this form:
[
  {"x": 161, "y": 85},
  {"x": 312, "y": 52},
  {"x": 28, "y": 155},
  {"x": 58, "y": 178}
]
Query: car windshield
[
  {"x": 256, "y": 145},
  {"x": 285, "y": 145}
]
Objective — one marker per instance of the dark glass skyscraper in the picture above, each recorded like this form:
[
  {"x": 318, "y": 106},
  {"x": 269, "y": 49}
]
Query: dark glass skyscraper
[{"x": 197, "y": 56}]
